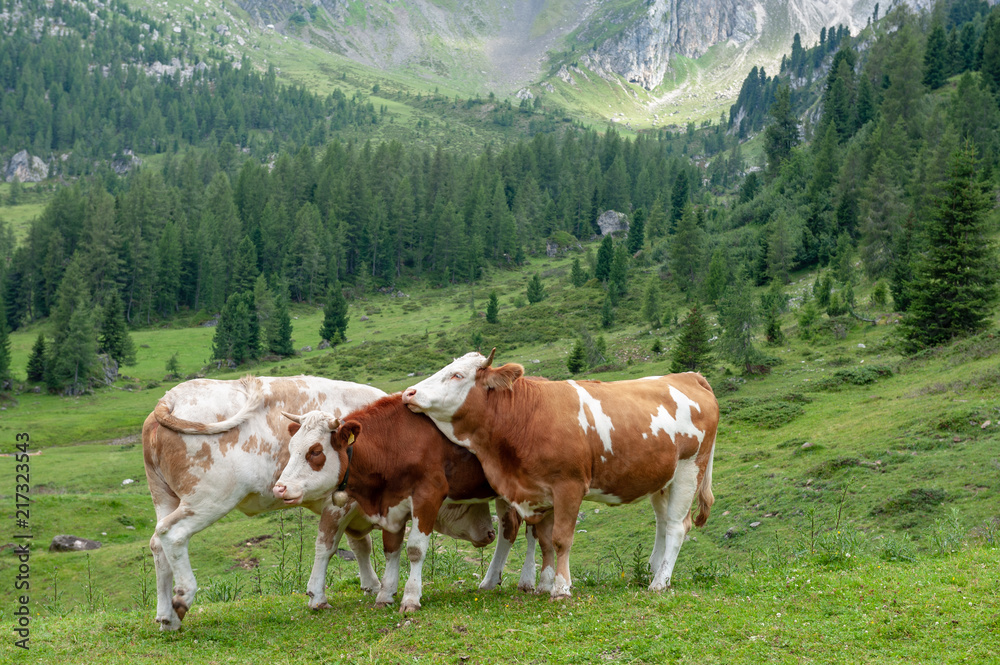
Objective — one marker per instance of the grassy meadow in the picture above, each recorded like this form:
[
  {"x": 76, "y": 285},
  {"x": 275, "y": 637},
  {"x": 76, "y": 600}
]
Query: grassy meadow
[{"x": 855, "y": 519}]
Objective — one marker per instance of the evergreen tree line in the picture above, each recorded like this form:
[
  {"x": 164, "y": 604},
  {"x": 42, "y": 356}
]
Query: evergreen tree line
[
  {"x": 180, "y": 238},
  {"x": 79, "y": 85}
]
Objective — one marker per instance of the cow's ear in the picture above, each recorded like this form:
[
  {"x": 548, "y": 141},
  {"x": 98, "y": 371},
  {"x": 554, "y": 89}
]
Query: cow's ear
[
  {"x": 293, "y": 428},
  {"x": 503, "y": 377},
  {"x": 346, "y": 434}
]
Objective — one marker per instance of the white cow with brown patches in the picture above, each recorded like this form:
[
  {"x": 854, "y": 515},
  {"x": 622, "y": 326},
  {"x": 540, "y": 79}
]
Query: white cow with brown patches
[
  {"x": 212, "y": 446},
  {"x": 547, "y": 446}
]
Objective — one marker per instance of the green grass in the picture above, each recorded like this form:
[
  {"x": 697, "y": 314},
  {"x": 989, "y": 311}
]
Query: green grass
[{"x": 845, "y": 448}]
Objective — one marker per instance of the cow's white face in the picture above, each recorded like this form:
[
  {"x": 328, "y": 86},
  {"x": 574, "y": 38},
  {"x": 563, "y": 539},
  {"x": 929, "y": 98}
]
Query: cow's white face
[
  {"x": 471, "y": 522},
  {"x": 314, "y": 467},
  {"x": 443, "y": 393}
]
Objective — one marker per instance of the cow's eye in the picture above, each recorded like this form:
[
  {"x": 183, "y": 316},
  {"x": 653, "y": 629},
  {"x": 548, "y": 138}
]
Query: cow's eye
[{"x": 457, "y": 375}]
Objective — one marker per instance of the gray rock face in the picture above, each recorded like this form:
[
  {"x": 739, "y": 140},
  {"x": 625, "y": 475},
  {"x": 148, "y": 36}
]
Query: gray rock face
[
  {"x": 612, "y": 221},
  {"x": 641, "y": 52},
  {"x": 26, "y": 168},
  {"x": 63, "y": 543}
]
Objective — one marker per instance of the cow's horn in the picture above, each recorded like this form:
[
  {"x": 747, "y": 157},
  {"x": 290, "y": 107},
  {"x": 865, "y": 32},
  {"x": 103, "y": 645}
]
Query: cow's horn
[
  {"x": 292, "y": 417},
  {"x": 333, "y": 424},
  {"x": 489, "y": 360}
]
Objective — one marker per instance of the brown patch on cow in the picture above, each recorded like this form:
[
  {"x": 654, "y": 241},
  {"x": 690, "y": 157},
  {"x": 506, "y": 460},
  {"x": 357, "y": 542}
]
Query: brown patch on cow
[
  {"x": 253, "y": 444},
  {"x": 316, "y": 457},
  {"x": 169, "y": 467},
  {"x": 228, "y": 440},
  {"x": 203, "y": 457}
]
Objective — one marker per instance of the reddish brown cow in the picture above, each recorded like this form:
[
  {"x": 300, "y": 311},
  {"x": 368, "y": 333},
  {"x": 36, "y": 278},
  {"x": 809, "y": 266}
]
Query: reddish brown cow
[
  {"x": 547, "y": 446},
  {"x": 401, "y": 467}
]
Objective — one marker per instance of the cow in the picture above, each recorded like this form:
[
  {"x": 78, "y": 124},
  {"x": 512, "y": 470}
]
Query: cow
[
  {"x": 547, "y": 446},
  {"x": 397, "y": 466},
  {"x": 212, "y": 446}
]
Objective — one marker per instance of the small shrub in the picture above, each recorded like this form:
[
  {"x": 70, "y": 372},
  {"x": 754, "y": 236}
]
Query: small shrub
[
  {"x": 898, "y": 548},
  {"x": 855, "y": 376},
  {"x": 910, "y": 502}
]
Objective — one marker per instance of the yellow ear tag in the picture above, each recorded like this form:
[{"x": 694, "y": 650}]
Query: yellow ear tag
[{"x": 350, "y": 440}]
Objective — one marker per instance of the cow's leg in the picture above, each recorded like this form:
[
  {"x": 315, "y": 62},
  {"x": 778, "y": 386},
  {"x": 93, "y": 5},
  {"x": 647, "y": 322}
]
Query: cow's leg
[
  {"x": 416, "y": 551},
  {"x": 333, "y": 524},
  {"x": 526, "y": 582},
  {"x": 673, "y": 520},
  {"x": 565, "y": 509},
  {"x": 392, "y": 546},
  {"x": 510, "y": 523},
  {"x": 165, "y": 502},
  {"x": 362, "y": 548},
  {"x": 543, "y": 534},
  {"x": 175, "y": 531}
]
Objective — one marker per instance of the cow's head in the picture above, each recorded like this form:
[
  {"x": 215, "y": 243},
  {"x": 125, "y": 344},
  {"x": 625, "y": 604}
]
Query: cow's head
[
  {"x": 466, "y": 521},
  {"x": 317, "y": 456},
  {"x": 442, "y": 394}
]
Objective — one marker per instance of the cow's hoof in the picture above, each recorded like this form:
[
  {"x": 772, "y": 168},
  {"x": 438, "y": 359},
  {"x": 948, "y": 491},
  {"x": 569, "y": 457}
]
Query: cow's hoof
[
  {"x": 320, "y": 606},
  {"x": 168, "y": 623},
  {"x": 181, "y": 608},
  {"x": 526, "y": 587},
  {"x": 488, "y": 585},
  {"x": 409, "y": 606},
  {"x": 382, "y": 602},
  {"x": 559, "y": 596},
  {"x": 371, "y": 590},
  {"x": 659, "y": 587}
]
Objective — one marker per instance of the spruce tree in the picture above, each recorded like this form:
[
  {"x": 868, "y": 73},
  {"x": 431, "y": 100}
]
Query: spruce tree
[
  {"x": 937, "y": 65},
  {"x": 772, "y": 304},
  {"x": 73, "y": 352},
  {"x": 577, "y": 360},
  {"x": 637, "y": 232},
  {"x": 536, "y": 292},
  {"x": 493, "y": 308},
  {"x": 607, "y": 312},
  {"x": 686, "y": 251},
  {"x": 279, "y": 330},
  {"x": 245, "y": 269},
  {"x": 335, "y": 318},
  {"x": 237, "y": 337},
  {"x": 36, "y": 360},
  {"x": 955, "y": 283},
  {"x": 605, "y": 255},
  {"x": 618, "y": 276},
  {"x": 113, "y": 337},
  {"x": 651, "y": 306},
  {"x": 783, "y": 132},
  {"x": 691, "y": 353},
  {"x": 738, "y": 318},
  {"x": 578, "y": 276}
]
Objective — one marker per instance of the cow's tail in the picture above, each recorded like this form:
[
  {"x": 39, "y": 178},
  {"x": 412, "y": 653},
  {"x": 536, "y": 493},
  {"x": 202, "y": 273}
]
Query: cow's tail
[
  {"x": 251, "y": 385},
  {"x": 705, "y": 496}
]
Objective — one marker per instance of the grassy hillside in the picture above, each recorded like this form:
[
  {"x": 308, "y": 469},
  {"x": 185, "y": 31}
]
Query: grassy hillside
[{"x": 856, "y": 491}]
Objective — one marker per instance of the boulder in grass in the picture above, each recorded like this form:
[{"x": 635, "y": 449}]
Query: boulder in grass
[{"x": 63, "y": 543}]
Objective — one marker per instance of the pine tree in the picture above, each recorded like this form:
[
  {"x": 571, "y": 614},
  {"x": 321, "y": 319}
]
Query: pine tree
[
  {"x": 618, "y": 276},
  {"x": 692, "y": 352},
  {"x": 536, "y": 292},
  {"x": 578, "y": 276},
  {"x": 936, "y": 58},
  {"x": 279, "y": 330},
  {"x": 237, "y": 336},
  {"x": 245, "y": 269},
  {"x": 783, "y": 133},
  {"x": 718, "y": 275},
  {"x": 577, "y": 360},
  {"x": 73, "y": 353},
  {"x": 607, "y": 313},
  {"x": 113, "y": 337},
  {"x": 772, "y": 304},
  {"x": 637, "y": 232},
  {"x": 36, "y": 360},
  {"x": 651, "y": 306},
  {"x": 686, "y": 252},
  {"x": 605, "y": 254},
  {"x": 335, "y": 318},
  {"x": 493, "y": 308},
  {"x": 738, "y": 318},
  {"x": 173, "y": 367},
  {"x": 955, "y": 285}
]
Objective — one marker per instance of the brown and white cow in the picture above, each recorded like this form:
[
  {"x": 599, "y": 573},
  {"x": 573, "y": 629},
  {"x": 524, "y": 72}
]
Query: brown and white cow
[
  {"x": 547, "y": 446},
  {"x": 397, "y": 466},
  {"x": 212, "y": 446}
]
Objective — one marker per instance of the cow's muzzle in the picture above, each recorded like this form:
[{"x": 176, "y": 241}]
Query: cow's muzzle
[{"x": 280, "y": 491}]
